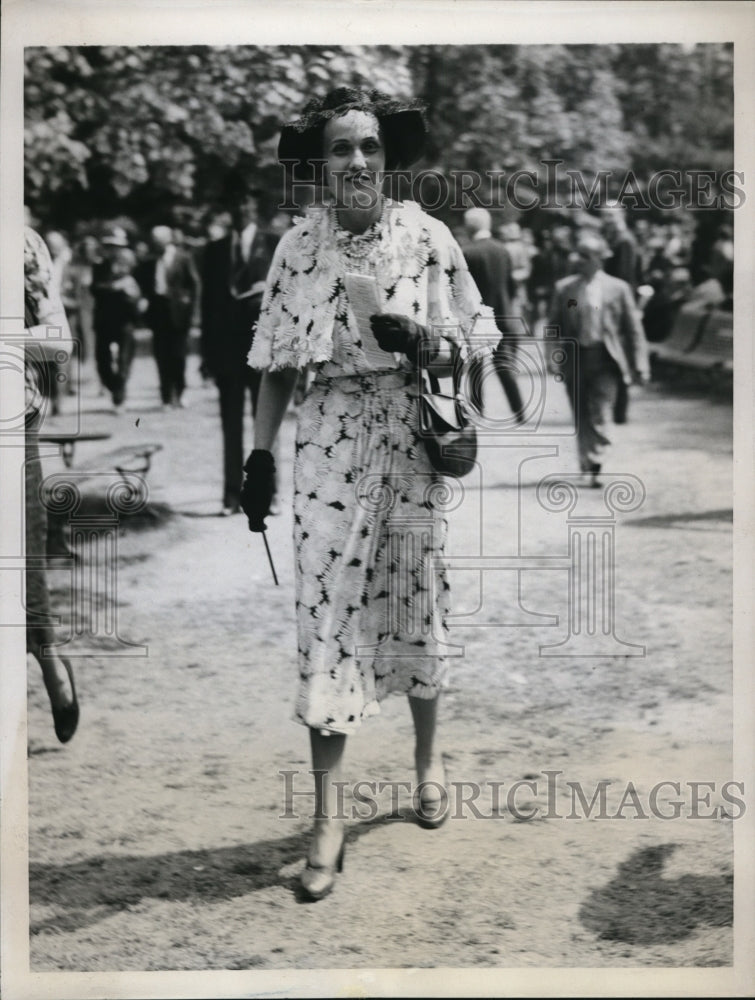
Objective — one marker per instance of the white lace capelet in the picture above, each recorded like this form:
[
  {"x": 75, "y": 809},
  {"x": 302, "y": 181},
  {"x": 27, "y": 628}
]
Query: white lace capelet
[{"x": 420, "y": 271}]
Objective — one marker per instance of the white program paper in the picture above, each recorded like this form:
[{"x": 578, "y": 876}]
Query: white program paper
[{"x": 364, "y": 300}]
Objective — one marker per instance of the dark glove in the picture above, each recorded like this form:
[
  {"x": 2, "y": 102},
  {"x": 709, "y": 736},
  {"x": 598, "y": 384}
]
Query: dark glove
[
  {"x": 399, "y": 333},
  {"x": 258, "y": 488}
]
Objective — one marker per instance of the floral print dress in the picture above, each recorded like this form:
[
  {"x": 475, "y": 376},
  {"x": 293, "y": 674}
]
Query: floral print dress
[{"x": 369, "y": 523}]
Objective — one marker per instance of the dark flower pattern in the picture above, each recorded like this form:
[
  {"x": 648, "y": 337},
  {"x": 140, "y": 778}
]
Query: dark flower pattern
[
  {"x": 372, "y": 593},
  {"x": 371, "y": 586}
]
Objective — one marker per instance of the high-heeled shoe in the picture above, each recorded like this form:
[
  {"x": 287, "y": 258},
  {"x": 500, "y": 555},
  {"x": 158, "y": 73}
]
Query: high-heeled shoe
[
  {"x": 431, "y": 812},
  {"x": 317, "y": 881},
  {"x": 66, "y": 719}
]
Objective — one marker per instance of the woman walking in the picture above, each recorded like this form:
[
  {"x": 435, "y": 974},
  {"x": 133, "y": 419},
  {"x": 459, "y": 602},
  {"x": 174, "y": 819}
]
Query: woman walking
[
  {"x": 363, "y": 289},
  {"x": 43, "y": 309}
]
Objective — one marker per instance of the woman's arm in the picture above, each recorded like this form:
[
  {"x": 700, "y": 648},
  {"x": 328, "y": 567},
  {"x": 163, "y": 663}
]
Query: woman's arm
[
  {"x": 51, "y": 315},
  {"x": 275, "y": 393}
]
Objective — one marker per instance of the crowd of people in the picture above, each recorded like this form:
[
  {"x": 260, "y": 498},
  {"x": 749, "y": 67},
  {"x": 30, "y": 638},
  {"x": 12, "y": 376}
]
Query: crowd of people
[
  {"x": 113, "y": 280},
  {"x": 658, "y": 259},
  {"x": 532, "y": 279}
]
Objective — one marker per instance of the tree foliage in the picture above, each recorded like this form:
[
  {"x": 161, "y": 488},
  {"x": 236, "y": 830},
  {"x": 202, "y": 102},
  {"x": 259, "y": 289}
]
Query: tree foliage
[
  {"x": 116, "y": 129},
  {"x": 510, "y": 107},
  {"x": 112, "y": 130},
  {"x": 680, "y": 102}
]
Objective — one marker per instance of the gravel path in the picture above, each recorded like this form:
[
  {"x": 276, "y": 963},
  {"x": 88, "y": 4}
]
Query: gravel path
[{"x": 156, "y": 841}]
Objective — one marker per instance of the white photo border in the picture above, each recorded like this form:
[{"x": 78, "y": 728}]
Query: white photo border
[{"x": 215, "y": 22}]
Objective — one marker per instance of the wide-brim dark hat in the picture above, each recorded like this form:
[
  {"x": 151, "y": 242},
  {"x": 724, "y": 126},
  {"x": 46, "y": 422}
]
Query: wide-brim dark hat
[{"x": 402, "y": 123}]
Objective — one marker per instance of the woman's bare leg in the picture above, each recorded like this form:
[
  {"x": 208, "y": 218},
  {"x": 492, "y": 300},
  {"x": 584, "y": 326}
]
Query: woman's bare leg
[
  {"x": 427, "y": 756},
  {"x": 327, "y": 755}
]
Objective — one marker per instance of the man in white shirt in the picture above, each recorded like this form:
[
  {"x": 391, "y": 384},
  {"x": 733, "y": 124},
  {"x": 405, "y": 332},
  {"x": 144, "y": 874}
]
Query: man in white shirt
[{"x": 599, "y": 312}]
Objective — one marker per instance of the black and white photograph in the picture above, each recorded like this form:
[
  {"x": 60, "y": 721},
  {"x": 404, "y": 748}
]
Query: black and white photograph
[{"x": 377, "y": 528}]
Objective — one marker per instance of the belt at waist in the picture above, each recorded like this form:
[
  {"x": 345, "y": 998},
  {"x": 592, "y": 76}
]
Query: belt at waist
[{"x": 367, "y": 381}]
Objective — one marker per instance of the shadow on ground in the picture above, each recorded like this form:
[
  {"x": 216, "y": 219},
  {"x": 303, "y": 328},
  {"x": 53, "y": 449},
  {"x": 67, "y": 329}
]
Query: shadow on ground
[
  {"x": 639, "y": 906},
  {"x": 91, "y": 890},
  {"x": 94, "y": 509},
  {"x": 679, "y": 520}
]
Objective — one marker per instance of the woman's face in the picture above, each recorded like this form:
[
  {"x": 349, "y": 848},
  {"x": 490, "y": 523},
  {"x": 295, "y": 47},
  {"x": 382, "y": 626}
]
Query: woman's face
[{"x": 355, "y": 159}]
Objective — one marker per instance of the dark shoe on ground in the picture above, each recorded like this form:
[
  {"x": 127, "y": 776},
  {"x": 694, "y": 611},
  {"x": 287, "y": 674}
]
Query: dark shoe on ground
[
  {"x": 66, "y": 719},
  {"x": 595, "y": 481}
]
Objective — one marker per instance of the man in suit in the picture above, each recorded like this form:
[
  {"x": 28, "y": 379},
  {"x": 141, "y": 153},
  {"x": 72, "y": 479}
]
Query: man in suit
[
  {"x": 117, "y": 307},
  {"x": 172, "y": 289},
  {"x": 599, "y": 312},
  {"x": 623, "y": 263},
  {"x": 233, "y": 279},
  {"x": 490, "y": 266}
]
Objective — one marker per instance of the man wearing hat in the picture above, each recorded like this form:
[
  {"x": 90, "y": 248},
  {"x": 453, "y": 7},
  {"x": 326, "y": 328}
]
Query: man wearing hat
[
  {"x": 599, "y": 312},
  {"x": 233, "y": 279},
  {"x": 117, "y": 305}
]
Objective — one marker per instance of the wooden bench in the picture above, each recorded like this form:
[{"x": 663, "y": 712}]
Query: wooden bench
[
  {"x": 134, "y": 458},
  {"x": 701, "y": 337},
  {"x": 67, "y": 441}
]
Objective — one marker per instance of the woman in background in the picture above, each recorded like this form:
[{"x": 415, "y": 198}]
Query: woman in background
[{"x": 43, "y": 309}]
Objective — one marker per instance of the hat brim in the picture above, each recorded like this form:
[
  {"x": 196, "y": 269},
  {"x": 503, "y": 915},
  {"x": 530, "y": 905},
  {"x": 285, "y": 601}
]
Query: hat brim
[
  {"x": 604, "y": 252},
  {"x": 404, "y": 133}
]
